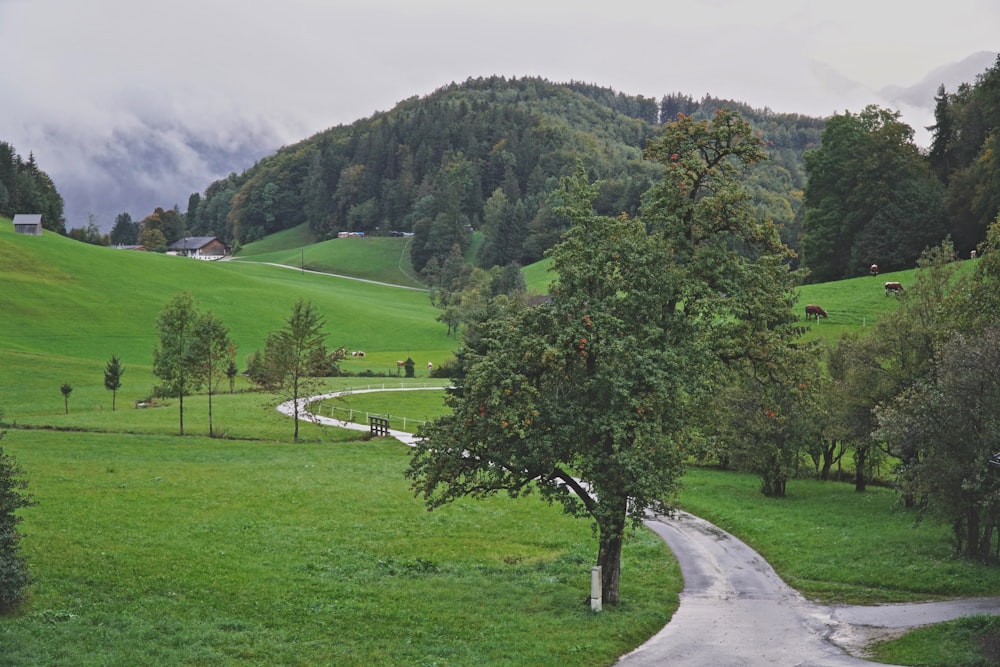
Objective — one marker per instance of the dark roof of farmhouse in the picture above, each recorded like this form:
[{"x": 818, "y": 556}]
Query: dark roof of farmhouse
[{"x": 191, "y": 243}]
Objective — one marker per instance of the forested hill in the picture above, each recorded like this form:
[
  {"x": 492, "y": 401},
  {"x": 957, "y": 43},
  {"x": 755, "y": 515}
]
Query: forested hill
[
  {"x": 485, "y": 154},
  {"x": 25, "y": 188}
]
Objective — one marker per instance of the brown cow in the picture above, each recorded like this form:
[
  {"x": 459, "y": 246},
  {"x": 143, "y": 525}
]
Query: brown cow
[
  {"x": 893, "y": 288},
  {"x": 812, "y": 310},
  {"x": 873, "y": 270}
]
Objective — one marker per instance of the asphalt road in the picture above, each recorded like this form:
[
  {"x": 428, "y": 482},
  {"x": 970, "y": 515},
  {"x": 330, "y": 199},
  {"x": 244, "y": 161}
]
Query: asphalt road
[{"x": 736, "y": 611}]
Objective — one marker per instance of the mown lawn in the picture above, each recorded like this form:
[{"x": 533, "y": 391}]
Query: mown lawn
[{"x": 150, "y": 549}]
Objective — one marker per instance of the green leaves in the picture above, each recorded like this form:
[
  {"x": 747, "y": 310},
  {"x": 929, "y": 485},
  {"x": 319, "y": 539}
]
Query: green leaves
[{"x": 601, "y": 383}]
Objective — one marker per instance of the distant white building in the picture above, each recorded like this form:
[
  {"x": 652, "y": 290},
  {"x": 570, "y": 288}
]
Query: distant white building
[{"x": 28, "y": 223}]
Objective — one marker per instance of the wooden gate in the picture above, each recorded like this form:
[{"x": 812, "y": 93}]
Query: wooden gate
[{"x": 379, "y": 425}]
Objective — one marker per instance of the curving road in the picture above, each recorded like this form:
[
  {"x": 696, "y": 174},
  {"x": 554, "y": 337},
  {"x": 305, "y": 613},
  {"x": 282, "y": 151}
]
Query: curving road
[{"x": 736, "y": 611}]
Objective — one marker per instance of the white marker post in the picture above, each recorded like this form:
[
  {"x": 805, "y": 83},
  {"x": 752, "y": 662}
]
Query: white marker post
[{"x": 595, "y": 588}]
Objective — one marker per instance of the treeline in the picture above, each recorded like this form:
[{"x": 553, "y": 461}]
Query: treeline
[
  {"x": 873, "y": 197},
  {"x": 483, "y": 155},
  {"x": 24, "y": 188}
]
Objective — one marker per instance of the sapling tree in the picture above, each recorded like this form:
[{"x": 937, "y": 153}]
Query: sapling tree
[
  {"x": 289, "y": 355},
  {"x": 172, "y": 354},
  {"x": 212, "y": 353},
  {"x": 66, "y": 390},
  {"x": 113, "y": 372},
  {"x": 232, "y": 370}
]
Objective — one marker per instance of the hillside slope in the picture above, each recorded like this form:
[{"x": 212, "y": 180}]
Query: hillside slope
[
  {"x": 485, "y": 153},
  {"x": 67, "y": 307}
]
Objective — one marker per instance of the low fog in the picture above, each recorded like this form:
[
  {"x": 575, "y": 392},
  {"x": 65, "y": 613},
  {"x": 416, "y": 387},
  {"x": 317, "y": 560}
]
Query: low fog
[{"x": 132, "y": 104}]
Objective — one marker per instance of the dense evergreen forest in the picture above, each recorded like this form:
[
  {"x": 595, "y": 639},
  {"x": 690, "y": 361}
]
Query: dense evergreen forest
[
  {"x": 24, "y": 188},
  {"x": 486, "y": 154}
]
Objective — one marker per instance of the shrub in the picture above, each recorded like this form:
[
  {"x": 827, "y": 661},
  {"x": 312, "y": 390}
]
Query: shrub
[{"x": 14, "y": 577}]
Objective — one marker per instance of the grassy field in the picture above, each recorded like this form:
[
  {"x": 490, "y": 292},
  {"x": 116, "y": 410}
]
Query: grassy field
[
  {"x": 157, "y": 550},
  {"x": 379, "y": 258},
  {"x": 148, "y": 548}
]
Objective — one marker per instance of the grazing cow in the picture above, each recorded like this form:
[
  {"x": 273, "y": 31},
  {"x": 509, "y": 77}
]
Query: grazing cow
[
  {"x": 893, "y": 288},
  {"x": 873, "y": 270},
  {"x": 400, "y": 364},
  {"x": 358, "y": 354},
  {"x": 812, "y": 310},
  {"x": 430, "y": 366}
]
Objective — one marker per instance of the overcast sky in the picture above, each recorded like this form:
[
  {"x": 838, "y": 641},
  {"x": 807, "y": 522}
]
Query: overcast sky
[{"x": 290, "y": 68}]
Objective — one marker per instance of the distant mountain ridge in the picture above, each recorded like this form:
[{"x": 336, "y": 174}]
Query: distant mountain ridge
[{"x": 951, "y": 76}]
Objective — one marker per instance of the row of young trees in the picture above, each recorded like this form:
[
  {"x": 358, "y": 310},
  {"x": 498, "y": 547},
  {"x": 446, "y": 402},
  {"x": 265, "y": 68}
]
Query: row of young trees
[{"x": 194, "y": 352}]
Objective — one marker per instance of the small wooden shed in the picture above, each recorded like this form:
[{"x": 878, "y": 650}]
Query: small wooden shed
[{"x": 28, "y": 223}]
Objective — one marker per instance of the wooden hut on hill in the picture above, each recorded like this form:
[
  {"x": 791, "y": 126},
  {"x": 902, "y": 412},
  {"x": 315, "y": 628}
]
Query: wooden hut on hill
[{"x": 28, "y": 223}]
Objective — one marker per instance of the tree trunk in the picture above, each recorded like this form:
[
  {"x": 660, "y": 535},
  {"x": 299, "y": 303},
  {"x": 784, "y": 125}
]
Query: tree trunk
[
  {"x": 860, "y": 460},
  {"x": 829, "y": 458},
  {"x": 609, "y": 555},
  {"x": 211, "y": 431},
  {"x": 295, "y": 406},
  {"x": 986, "y": 541},
  {"x": 972, "y": 533},
  {"x": 610, "y": 559}
]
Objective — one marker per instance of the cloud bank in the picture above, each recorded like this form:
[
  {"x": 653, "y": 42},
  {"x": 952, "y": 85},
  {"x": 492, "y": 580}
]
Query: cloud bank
[{"x": 132, "y": 104}]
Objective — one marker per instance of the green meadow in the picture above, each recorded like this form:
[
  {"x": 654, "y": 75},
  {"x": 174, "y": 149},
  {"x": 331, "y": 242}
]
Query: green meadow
[
  {"x": 249, "y": 549},
  {"x": 381, "y": 259}
]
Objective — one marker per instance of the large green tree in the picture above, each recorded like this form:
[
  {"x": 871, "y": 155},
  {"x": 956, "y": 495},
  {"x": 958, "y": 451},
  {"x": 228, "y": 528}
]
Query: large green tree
[
  {"x": 125, "y": 232},
  {"x": 965, "y": 155},
  {"x": 871, "y": 198},
  {"x": 173, "y": 361},
  {"x": 590, "y": 397},
  {"x": 953, "y": 420}
]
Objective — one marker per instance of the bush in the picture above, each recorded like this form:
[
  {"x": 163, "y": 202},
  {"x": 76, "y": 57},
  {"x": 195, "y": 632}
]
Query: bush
[
  {"x": 14, "y": 577},
  {"x": 449, "y": 369}
]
